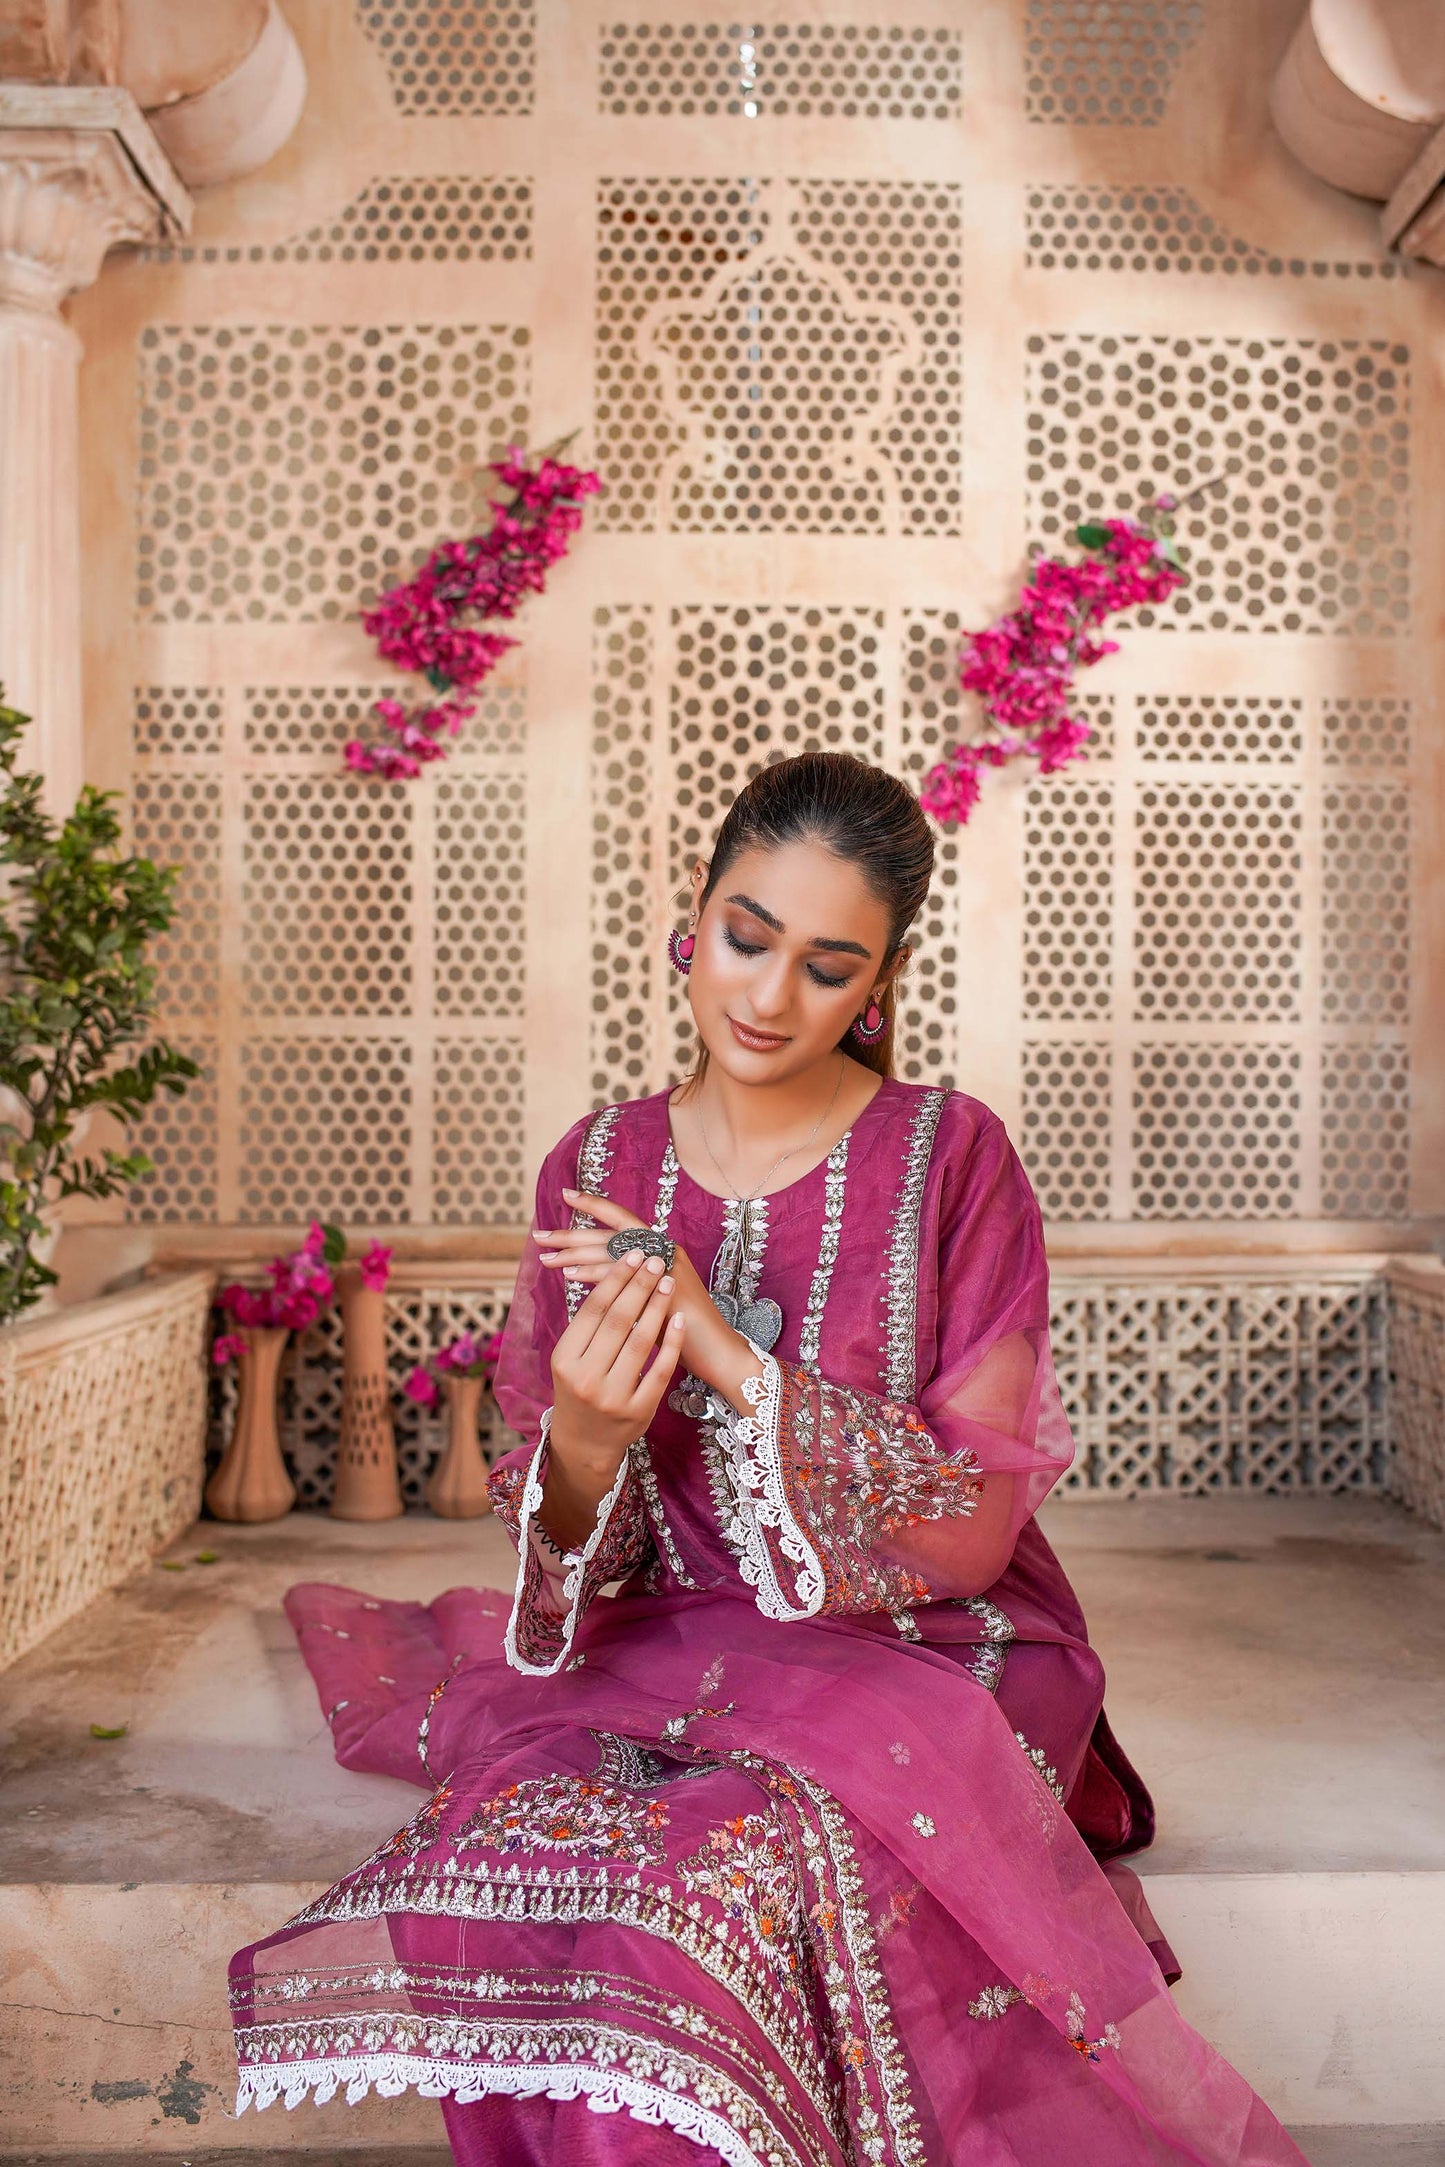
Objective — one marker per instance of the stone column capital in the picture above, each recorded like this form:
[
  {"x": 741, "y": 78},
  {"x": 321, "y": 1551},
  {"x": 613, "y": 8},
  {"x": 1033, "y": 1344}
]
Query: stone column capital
[{"x": 80, "y": 174}]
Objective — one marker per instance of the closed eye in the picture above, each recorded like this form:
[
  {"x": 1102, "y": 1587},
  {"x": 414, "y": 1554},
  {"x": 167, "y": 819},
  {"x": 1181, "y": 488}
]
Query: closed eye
[
  {"x": 755, "y": 948},
  {"x": 821, "y": 978}
]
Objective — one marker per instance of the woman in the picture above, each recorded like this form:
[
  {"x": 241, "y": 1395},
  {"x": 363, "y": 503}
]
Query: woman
[{"x": 788, "y": 1853}]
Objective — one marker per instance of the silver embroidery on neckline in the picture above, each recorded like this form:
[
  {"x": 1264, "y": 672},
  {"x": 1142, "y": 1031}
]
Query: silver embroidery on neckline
[
  {"x": 900, "y": 1273},
  {"x": 835, "y": 1166}
]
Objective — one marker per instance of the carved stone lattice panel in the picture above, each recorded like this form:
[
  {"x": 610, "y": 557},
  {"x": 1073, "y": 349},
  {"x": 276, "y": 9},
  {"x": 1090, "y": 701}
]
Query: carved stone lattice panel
[
  {"x": 1065, "y": 1140},
  {"x": 1069, "y": 911},
  {"x": 1152, "y": 231},
  {"x": 1365, "y": 1131},
  {"x": 477, "y": 1165},
  {"x": 326, "y": 1128},
  {"x": 292, "y": 472},
  {"x": 1366, "y": 734},
  {"x": 102, "y": 1435},
  {"x": 455, "y": 56},
  {"x": 1222, "y": 1384},
  {"x": 1109, "y": 64},
  {"x": 182, "y": 1136},
  {"x": 1258, "y": 1382},
  {"x": 1310, "y": 532},
  {"x": 624, "y": 916},
  {"x": 481, "y": 893},
  {"x": 1221, "y": 727},
  {"x": 481, "y": 218},
  {"x": 1217, "y": 902},
  {"x": 376, "y": 934},
  {"x": 177, "y": 726},
  {"x": 1216, "y": 1131},
  {"x": 1365, "y": 903},
  {"x": 176, "y": 819},
  {"x": 326, "y": 896},
  {"x": 418, "y": 1321},
  {"x": 843, "y": 71},
  {"x": 716, "y": 300},
  {"x": 1417, "y": 1391}
]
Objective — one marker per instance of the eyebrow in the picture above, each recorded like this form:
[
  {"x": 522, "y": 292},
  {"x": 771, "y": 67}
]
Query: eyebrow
[{"x": 836, "y": 948}]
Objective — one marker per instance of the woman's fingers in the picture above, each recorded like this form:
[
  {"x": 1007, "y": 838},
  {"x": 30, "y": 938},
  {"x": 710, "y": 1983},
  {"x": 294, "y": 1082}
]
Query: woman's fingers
[
  {"x": 647, "y": 1395},
  {"x": 593, "y": 1313},
  {"x": 601, "y": 1208},
  {"x": 638, "y": 1341},
  {"x": 620, "y": 1312}
]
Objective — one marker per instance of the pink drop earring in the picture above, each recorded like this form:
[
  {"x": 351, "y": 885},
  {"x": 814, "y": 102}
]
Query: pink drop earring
[
  {"x": 868, "y": 1027},
  {"x": 679, "y": 950}
]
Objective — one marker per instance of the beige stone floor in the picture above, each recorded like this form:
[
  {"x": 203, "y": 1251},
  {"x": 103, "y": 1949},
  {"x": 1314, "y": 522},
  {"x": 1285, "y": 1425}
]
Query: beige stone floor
[{"x": 1274, "y": 1667}]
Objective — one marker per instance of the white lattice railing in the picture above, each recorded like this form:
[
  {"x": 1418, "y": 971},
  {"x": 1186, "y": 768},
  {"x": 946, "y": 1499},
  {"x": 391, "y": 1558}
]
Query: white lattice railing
[
  {"x": 1417, "y": 1385},
  {"x": 1266, "y": 1377},
  {"x": 102, "y": 1446}
]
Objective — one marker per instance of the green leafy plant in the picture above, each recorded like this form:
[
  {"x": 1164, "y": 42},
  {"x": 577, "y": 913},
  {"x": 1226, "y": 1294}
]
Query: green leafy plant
[{"x": 76, "y": 916}]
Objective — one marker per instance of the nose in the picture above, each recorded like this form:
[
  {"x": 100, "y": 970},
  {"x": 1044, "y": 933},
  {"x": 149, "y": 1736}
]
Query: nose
[{"x": 769, "y": 994}]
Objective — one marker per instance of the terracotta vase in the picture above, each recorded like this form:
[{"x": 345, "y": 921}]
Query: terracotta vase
[
  {"x": 457, "y": 1489},
  {"x": 251, "y": 1482},
  {"x": 367, "y": 1485}
]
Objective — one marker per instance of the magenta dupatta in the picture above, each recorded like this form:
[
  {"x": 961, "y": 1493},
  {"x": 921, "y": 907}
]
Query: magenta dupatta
[{"x": 793, "y": 1846}]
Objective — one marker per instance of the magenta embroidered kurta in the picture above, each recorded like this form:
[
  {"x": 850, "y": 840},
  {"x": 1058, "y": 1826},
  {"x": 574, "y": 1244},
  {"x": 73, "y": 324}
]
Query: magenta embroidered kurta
[{"x": 792, "y": 1846}]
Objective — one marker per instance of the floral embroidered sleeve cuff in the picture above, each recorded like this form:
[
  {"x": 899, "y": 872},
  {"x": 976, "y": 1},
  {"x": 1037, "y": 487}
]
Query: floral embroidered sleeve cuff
[
  {"x": 833, "y": 1500},
  {"x": 554, "y": 1587}
]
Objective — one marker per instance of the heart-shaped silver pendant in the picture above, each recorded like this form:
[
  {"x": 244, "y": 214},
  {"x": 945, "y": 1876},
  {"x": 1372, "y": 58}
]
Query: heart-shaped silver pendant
[{"x": 759, "y": 1320}]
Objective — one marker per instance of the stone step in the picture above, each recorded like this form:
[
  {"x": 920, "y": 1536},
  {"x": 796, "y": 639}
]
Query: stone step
[
  {"x": 1360, "y": 2145},
  {"x": 1274, "y": 1669}
]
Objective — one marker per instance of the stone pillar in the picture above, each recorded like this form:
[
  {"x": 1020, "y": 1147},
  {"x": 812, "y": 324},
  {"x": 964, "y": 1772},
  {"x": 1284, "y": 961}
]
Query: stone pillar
[{"x": 80, "y": 173}]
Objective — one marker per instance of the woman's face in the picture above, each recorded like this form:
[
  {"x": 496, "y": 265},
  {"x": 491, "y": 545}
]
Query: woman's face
[{"x": 789, "y": 951}]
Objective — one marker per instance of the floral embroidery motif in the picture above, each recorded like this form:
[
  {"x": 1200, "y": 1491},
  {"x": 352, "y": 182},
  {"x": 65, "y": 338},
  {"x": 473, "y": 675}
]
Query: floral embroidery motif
[
  {"x": 1037, "y": 1755},
  {"x": 925, "y": 1825},
  {"x": 652, "y": 1497},
  {"x": 987, "y": 1662},
  {"x": 575, "y": 1814},
  {"x": 900, "y": 1753},
  {"x": 746, "y": 1865},
  {"x": 423, "y": 1736},
  {"x": 594, "y": 1163},
  {"x": 994, "y": 2002},
  {"x": 1078, "y": 2033},
  {"x": 416, "y": 1834},
  {"x": 900, "y": 1272},
  {"x": 900, "y": 1909},
  {"x": 834, "y": 1182},
  {"x": 675, "y": 1728}
]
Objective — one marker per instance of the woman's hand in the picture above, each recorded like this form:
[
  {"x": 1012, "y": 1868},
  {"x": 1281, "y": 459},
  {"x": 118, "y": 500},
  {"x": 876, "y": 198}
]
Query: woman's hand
[
  {"x": 603, "y": 1393},
  {"x": 711, "y": 1349}
]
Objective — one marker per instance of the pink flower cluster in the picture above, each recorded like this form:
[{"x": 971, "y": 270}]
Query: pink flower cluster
[
  {"x": 430, "y": 622},
  {"x": 466, "y": 1356},
  {"x": 1022, "y": 666},
  {"x": 301, "y": 1286}
]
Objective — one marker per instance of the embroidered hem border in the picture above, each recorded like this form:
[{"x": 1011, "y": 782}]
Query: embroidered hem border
[{"x": 607, "y": 2091}]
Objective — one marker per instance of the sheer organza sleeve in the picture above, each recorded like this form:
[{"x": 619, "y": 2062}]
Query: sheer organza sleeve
[
  {"x": 554, "y": 1586},
  {"x": 840, "y": 1500}
]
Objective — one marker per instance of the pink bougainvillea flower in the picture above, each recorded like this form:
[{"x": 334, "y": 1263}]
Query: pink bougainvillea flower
[
  {"x": 375, "y": 1267},
  {"x": 421, "y": 1386},
  {"x": 434, "y": 623},
  {"x": 1022, "y": 667},
  {"x": 227, "y": 1347}
]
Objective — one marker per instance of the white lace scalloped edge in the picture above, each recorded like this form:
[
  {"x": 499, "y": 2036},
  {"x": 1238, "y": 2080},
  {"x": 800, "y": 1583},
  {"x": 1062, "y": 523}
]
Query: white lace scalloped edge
[
  {"x": 576, "y": 1561},
  {"x": 751, "y": 1458},
  {"x": 606, "y": 2091}
]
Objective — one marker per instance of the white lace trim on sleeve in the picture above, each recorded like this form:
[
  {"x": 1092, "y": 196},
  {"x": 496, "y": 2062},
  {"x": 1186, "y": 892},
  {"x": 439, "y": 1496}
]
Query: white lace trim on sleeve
[
  {"x": 575, "y": 1562},
  {"x": 753, "y": 1466}
]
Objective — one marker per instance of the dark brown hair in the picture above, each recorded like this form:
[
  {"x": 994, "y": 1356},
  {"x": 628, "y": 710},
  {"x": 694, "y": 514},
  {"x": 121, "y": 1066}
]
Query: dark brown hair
[{"x": 865, "y": 817}]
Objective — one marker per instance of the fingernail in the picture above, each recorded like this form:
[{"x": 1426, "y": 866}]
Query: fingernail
[
  {"x": 569, "y": 1193},
  {"x": 665, "y": 1286},
  {"x": 676, "y": 1323},
  {"x": 654, "y": 1264},
  {"x": 634, "y": 1257}
]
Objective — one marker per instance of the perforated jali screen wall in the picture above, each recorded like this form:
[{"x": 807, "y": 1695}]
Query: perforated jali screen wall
[{"x": 852, "y": 310}]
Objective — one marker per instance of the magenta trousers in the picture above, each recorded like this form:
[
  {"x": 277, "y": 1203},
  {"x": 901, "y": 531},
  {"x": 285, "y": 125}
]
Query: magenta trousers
[{"x": 504, "y": 2132}]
